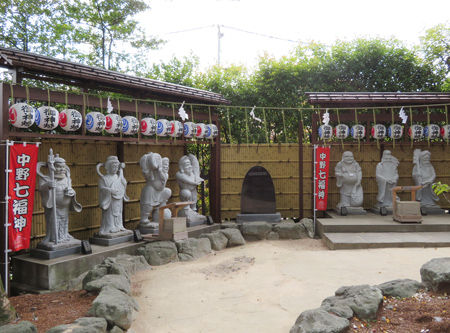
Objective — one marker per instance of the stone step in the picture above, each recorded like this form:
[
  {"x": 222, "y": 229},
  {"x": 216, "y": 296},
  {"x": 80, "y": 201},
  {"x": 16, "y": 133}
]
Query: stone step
[{"x": 370, "y": 240}]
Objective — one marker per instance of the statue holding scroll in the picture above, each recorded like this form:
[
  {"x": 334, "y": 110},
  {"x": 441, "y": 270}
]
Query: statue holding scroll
[{"x": 387, "y": 177}]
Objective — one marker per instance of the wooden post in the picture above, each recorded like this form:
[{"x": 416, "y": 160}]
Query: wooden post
[
  {"x": 300, "y": 168},
  {"x": 214, "y": 179}
]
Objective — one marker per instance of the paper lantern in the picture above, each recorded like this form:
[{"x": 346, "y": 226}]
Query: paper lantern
[
  {"x": 201, "y": 131},
  {"x": 22, "y": 115},
  {"x": 175, "y": 128},
  {"x": 378, "y": 131},
  {"x": 325, "y": 132},
  {"x": 114, "y": 123},
  {"x": 416, "y": 132},
  {"x": 148, "y": 126},
  {"x": 70, "y": 120},
  {"x": 130, "y": 125},
  {"x": 190, "y": 129},
  {"x": 395, "y": 131},
  {"x": 431, "y": 131},
  {"x": 445, "y": 132},
  {"x": 95, "y": 122},
  {"x": 47, "y": 118},
  {"x": 162, "y": 127},
  {"x": 341, "y": 131},
  {"x": 211, "y": 131},
  {"x": 358, "y": 131}
]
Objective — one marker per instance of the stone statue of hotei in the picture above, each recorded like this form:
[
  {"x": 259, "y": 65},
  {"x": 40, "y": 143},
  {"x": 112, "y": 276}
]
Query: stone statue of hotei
[
  {"x": 188, "y": 178},
  {"x": 58, "y": 199},
  {"x": 111, "y": 194},
  {"x": 348, "y": 180},
  {"x": 423, "y": 174},
  {"x": 155, "y": 193},
  {"x": 387, "y": 177}
]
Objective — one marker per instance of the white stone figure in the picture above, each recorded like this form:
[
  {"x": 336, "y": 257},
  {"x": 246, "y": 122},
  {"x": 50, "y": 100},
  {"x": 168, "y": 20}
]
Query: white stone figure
[
  {"x": 423, "y": 174},
  {"x": 188, "y": 178},
  {"x": 58, "y": 199},
  {"x": 112, "y": 192},
  {"x": 155, "y": 193},
  {"x": 348, "y": 180},
  {"x": 387, "y": 178}
]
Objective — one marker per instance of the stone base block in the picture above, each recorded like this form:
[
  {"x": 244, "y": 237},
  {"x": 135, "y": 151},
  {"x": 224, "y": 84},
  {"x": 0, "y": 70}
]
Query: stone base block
[
  {"x": 152, "y": 228},
  {"x": 108, "y": 241},
  {"x": 273, "y": 218},
  {"x": 432, "y": 210},
  {"x": 351, "y": 211},
  {"x": 51, "y": 254},
  {"x": 194, "y": 223},
  {"x": 378, "y": 210}
]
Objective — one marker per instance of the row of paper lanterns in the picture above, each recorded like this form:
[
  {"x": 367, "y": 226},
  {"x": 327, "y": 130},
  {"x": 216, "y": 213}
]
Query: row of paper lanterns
[
  {"x": 22, "y": 115},
  {"x": 379, "y": 131}
]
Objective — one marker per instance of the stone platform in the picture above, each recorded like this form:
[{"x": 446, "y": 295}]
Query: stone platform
[
  {"x": 375, "y": 231},
  {"x": 39, "y": 275}
]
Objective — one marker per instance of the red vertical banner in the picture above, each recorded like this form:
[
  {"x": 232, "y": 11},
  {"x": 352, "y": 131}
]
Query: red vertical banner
[
  {"x": 321, "y": 182},
  {"x": 22, "y": 181}
]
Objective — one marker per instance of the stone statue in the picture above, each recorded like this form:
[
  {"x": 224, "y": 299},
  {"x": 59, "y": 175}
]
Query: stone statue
[
  {"x": 348, "y": 180},
  {"x": 188, "y": 178},
  {"x": 58, "y": 199},
  {"x": 423, "y": 174},
  {"x": 387, "y": 177},
  {"x": 111, "y": 194},
  {"x": 155, "y": 193}
]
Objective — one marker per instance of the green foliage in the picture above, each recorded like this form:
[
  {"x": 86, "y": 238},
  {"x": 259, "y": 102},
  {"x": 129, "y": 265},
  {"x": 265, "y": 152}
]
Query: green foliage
[
  {"x": 179, "y": 71},
  {"x": 435, "y": 46},
  {"x": 440, "y": 188}
]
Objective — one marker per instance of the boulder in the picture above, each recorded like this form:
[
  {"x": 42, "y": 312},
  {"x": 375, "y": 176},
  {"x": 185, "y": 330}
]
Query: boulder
[
  {"x": 273, "y": 235},
  {"x": 115, "y": 306},
  {"x": 116, "y": 329},
  {"x": 308, "y": 224},
  {"x": 255, "y": 230},
  {"x": 225, "y": 225},
  {"x": 436, "y": 274},
  {"x": 159, "y": 253},
  {"x": 363, "y": 300},
  {"x": 319, "y": 321},
  {"x": 20, "y": 327},
  {"x": 119, "y": 282},
  {"x": 218, "y": 240},
  {"x": 7, "y": 312},
  {"x": 82, "y": 325},
  {"x": 287, "y": 230},
  {"x": 400, "y": 288},
  {"x": 193, "y": 248},
  {"x": 234, "y": 237},
  {"x": 131, "y": 264}
]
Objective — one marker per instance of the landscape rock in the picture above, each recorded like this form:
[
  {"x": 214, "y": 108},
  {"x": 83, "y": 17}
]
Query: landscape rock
[
  {"x": 400, "y": 288},
  {"x": 319, "y": 321},
  {"x": 7, "y": 312},
  {"x": 308, "y": 224},
  {"x": 116, "y": 329},
  {"x": 218, "y": 240},
  {"x": 115, "y": 306},
  {"x": 131, "y": 264},
  {"x": 20, "y": 327},
  {"x": 436, "y": 274},
  {"x": 273, "y": 235},
  {"x": 119, "y": 282},
  {"x": 234, "y": 237},
  {"x": 193, "y": 248},
  {"x": 225, "y": 225},
  {"x": 255, "y": 230},
  {"x": 287, "y": 230},
  {"x": 82, "y": 325},
  {"x": 159, "y": 253}
]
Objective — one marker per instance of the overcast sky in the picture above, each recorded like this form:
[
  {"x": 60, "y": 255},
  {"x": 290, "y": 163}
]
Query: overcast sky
[{"x": 247, "y": 23}]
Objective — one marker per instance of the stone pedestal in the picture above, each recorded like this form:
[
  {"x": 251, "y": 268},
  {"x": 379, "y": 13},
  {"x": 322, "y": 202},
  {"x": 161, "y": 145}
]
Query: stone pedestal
[
  {"x": 432, "y": 210},
  {"x": 351, "y": 211},
  {"x": 149, "y": 228},
  {"x": 50, "y": 250},
  {"x": 273, "y": 218},
  {"x": 113, "y": 238}
]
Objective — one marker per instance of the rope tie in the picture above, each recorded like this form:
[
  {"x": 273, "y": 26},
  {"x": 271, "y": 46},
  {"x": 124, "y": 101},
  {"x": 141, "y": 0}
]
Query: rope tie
[
  {"x": 27, "y": 93},
  {"x": 173, "y": 115},
  {"x": 428, "y": 123},
  {"x": 246, "y": 125},
  {"x": 192, "y": 116},
  {"x": 446, "y": 120},
  {"x": 229, "y": 124},
  {"x": 339, "y": 122},
  {"x": 284, "y": 126},
  {"x": 265, "y": 126},
  {"x": 118, "y": 111},
  {"x": 48, "y": 95},
  {"x": 100, "y": 99},
  {"x": 392, "y": 123},
  {"x": 137, "y": 117},
  {"x": 374, "y": 123},
  {"x": 66, "y": 99},
  {"x": 303, "y": 125},
  {"x": 410, "y": 126},
  {"x": 156, "y": 119},
  {"x": 12, "y": 93},
  {"x": 356, "y": 121}
]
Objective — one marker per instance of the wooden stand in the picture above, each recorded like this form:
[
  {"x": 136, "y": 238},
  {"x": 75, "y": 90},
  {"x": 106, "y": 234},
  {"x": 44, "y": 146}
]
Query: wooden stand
[
  {"x": 175, "y": 227},
  {"x": 406, "y": 211}
]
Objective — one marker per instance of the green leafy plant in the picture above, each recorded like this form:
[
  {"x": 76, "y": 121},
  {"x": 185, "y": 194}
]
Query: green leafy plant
[{"x": 440, "y": 188}]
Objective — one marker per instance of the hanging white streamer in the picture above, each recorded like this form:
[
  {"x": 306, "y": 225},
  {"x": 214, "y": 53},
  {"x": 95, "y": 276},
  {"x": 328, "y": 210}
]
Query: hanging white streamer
[
  {"x": 109, "y": 107},
  {"x": 326, "y": 117},
  {"x": 182, "y": 113},
  {"x": 403, "y": 115},
  {"x": 252, "y": 114}
]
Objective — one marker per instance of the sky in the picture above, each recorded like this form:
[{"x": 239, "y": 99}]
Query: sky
[{"x": 190, "y": 26}]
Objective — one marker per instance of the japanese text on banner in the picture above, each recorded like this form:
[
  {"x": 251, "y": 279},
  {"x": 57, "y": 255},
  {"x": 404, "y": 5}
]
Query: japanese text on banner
[{"x": 321, "y": 182}]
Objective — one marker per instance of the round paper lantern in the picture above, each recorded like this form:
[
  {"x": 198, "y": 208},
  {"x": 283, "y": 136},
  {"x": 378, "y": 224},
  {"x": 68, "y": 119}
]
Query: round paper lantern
[
  {"x": 70, "y": 120},
  {"x": 114, "y": 123},
  {"x": 358, "y": 131},
  {"x": 47, "y": 118},
  {"x": 175, "y": 128},
  {"x": 445, "y": 132},
  {"x": 341, "y": 131},
  {"x": 148, "y": 126},
  {"x": 416, "y": 132},
  {"x": 162, "y": 127},
  {"x": 130, "y": 125},
  {"x": 325, "y": 132},
  {"x": 211, "y": 131},
  {"x": 22, "y": 115},
  {"x": 378, "y": 131},
  {"x": 190, "y": 129},
  {"x": 95, "y": 122},
  {"x": 201, "y": 131},
  {"x": 431, "y": 131},
  {"x": 395, "y": 131}
]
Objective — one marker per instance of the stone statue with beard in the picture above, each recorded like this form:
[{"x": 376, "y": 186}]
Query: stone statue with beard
[{"x": 387, "y": 178}]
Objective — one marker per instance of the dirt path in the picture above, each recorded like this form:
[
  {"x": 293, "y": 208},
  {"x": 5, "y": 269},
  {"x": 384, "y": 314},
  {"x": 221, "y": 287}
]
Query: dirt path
[{"x": 262, "y": 286}]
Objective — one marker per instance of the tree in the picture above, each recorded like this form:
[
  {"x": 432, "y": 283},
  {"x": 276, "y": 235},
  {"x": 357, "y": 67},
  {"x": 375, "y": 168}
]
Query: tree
[{"x": 179, "y": 71}]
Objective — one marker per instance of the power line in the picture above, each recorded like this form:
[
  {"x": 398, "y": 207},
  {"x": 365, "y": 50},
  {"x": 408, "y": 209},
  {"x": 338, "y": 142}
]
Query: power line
[
  {"x": 189, "y": 30},
  {"x": 260, "y": 34}
]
